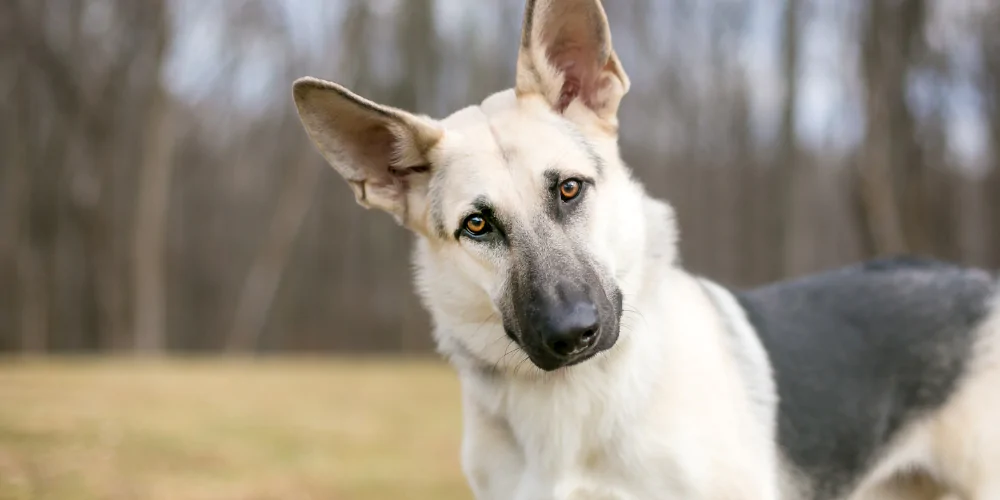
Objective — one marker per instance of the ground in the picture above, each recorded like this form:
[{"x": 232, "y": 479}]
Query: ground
[{"x": 229, "y": 430}]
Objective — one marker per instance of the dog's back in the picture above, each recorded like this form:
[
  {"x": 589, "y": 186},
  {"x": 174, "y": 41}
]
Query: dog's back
[{"x": 862, "y": 354}]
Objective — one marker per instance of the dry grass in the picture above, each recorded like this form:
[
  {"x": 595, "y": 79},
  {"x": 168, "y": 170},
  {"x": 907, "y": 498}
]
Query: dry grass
[{"x": 229, "y": 430}]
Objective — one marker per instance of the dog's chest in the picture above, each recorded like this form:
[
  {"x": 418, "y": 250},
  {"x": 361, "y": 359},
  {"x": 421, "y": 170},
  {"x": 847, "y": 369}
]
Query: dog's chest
[
  {"x": 569, "y": 447},
  {"x": 580, "y": 446},
  {"x": 559, "y": 429}
]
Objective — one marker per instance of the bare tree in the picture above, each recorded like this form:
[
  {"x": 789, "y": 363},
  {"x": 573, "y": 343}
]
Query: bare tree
[
  {"x": 257, "y": 295},
  {"x": 890, "y": 159},
  {"x": 152, "y": 206},
  {"x": 991, "y": 90},
  {"x": 30, "y": 290},
  {"x": 787, "y": 161}
]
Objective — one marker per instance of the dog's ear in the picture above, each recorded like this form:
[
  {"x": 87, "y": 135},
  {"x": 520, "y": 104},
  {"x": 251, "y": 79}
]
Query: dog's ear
[
  {"x": 566, "y": 56},
  {"x": 380, "y": 151}
]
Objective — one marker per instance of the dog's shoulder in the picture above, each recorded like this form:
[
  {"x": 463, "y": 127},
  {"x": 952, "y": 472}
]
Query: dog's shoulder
[{"x": 860, "y": 351}]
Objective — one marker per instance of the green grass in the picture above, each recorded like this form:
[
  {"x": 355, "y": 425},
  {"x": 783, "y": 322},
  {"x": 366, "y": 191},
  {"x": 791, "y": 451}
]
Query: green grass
[{"x": 229, "y": 430}]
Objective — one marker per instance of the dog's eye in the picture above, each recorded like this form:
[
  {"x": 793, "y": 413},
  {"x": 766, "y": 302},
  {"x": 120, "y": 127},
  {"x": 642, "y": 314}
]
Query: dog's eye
[
  {"x": 570, "y": 189},
  {"x": 476, "y": 225}
]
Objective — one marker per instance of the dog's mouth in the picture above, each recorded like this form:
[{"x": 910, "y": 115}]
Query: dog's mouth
[{"x": 550, "y": 364}]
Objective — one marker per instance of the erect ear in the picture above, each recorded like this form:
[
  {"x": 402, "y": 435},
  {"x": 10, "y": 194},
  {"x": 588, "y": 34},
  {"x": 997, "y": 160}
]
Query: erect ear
[
  {"x": 380, "y": 151},
  {"x": 566, "y": 56}
]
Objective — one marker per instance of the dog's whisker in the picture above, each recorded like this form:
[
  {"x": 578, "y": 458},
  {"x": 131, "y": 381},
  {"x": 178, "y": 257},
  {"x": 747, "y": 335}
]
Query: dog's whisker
[
  {"x": 488, "y": 319},
  {"x": 516, "y": 368},
  {"x": 496, "y": 365}
]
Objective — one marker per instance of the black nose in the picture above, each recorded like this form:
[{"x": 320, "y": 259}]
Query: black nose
[{"x": 571, "y": 328}]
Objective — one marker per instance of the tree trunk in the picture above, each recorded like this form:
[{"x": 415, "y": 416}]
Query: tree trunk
[
  {"x": 991, "y": 198},
  {"x": 149, "y": 243},
  {"x": 991, "y": 88},
  {"x": 889, "y": 154},
  {"x": 257, "y": 295},
  {"x": 30, "y": 280},
  {"x": 788, "y": 148}
]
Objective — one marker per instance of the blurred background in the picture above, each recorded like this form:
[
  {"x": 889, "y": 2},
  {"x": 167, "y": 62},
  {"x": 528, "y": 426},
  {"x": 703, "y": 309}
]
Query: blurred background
[{"x": 158, "y": 196}]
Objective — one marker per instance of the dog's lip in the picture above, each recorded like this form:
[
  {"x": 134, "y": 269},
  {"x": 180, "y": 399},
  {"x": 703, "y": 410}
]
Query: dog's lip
[
  {"x": 582, "y": 357},
  {"x": 556, "y": 365}
]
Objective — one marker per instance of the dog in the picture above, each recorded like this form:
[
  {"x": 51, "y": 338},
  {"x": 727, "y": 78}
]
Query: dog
[{"x": 593, "y": 366}]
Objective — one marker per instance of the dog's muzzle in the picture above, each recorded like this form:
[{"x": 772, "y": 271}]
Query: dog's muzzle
[{"x": 566, "y": 326}]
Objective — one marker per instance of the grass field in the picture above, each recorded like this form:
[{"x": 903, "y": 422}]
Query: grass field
[{"x": 229, "y": 430}]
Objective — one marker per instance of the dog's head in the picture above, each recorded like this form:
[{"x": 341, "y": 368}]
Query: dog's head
[{"x": 528, "y": 222}]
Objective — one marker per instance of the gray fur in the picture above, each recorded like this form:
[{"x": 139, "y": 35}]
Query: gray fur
[{"x": 859, "y": 352}]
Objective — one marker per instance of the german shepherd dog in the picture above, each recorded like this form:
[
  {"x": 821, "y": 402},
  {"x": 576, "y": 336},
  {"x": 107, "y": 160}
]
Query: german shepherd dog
[{"x": 593, "y": 366}]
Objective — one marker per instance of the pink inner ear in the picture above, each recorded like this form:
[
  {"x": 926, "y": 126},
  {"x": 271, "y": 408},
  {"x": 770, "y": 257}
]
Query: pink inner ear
[
  {"x": 580, "y": 68},
  {"x": 570, "y": 90}
]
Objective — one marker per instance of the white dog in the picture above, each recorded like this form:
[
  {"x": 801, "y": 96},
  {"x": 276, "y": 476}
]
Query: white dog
[{"x": 594, "y": 367}]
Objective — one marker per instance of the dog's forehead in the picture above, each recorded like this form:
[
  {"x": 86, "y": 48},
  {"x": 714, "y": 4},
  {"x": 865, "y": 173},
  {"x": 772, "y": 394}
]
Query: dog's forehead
[{"x": 523, "y": 131}]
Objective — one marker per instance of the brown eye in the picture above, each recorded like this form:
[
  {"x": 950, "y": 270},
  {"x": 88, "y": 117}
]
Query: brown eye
[
  {"x": 476, "y": 225},
  {"x": 569, "y": 189}
]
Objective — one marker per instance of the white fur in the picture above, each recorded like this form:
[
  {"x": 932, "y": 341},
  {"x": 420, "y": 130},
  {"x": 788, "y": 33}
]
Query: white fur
[{"x": 665, "y": 414}]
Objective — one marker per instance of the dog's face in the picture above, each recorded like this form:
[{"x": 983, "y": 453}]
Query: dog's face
[
  {"x": 526, "y": 216},
  {"x": 520, "y": 219}
]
